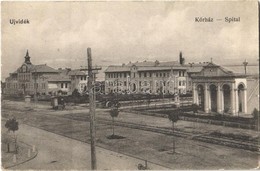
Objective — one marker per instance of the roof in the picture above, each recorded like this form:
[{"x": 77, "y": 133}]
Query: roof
[
  {"x": 76, "y": 72},
  {"x": 146, "y": 66},
  {"x": 250, "y": 69},
  {"x": 119, "y": 68},
  {"x": 195, "y": 67},
  {"x": 43, "y": 68},
  {"x": 58, "y": 78},
  {"x": 214, "y": 70}
]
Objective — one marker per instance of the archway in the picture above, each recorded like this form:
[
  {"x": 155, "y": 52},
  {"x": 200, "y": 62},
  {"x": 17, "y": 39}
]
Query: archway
[
  {"x": 226, "y": 98},
  {"x": 213, "y": 97},
  {"x": 201, "y": 98},
  {"x": 133, "y": 88},
  {"x": 241, "y": 97}
]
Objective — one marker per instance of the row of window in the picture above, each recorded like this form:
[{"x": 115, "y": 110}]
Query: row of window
[
  {"x": 143, "y": 74},
  {"x": 144, "y": 83},
  {"x": 117, "y": 75},
  {"x": 64, "y": 85},
  {"x": 24, "y": 76},
  {"x": 25, "y": 85},
  {"x": 181, "y": 73},
  {"x": 81, "y": 77},
  {"x": 182, "y": 83}
]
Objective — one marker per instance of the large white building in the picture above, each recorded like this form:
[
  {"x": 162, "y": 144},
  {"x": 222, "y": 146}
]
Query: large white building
[{"x": 147, "y": 77}]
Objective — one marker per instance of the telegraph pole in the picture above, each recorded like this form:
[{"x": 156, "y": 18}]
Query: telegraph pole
[{"x": 92, "y": 107}]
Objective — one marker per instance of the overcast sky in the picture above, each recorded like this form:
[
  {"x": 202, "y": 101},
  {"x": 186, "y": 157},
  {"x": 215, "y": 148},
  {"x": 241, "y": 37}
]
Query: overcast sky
[{"x": 118, "y": 32}]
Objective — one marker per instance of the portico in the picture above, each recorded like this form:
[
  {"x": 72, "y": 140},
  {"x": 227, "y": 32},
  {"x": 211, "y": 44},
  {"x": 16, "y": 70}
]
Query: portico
[{"x": 217, "y": 90}]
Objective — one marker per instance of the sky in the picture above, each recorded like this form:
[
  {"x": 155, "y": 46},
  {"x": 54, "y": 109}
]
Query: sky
[{"x": 59, "y": 33}]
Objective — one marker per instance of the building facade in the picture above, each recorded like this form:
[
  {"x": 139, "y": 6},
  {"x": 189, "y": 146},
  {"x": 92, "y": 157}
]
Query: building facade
[
  {"x": 216, "y": 89},
  {"x": 147, "y": 77},
  {"x": 30, "y": 79}
]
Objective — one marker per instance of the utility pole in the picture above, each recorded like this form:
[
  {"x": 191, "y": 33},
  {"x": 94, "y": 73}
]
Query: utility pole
[{"x": 92, "y": 107}]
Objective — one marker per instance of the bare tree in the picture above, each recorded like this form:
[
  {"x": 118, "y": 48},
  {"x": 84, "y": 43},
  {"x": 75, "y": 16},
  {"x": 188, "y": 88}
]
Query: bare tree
[
  {"x": 174, "y": 117},
  {"x": 114, "y": 112}
]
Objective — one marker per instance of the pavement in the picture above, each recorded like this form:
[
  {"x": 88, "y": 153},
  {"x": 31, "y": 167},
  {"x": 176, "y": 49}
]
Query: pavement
[{"x": 56, "y": 152}]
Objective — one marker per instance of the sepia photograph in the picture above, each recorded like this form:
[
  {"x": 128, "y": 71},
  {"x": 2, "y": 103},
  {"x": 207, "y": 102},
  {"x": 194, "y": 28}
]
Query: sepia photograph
[{"x": 130, "y": 85}]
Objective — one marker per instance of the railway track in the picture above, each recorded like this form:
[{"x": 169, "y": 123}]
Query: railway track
[{"x": 235, "y": 143}]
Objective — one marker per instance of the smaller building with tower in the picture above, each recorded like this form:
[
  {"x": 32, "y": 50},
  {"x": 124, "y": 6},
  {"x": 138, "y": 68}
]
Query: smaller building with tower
[{"x": 30, "y": 79}]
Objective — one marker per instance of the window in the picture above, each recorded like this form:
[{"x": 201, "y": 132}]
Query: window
[
  {"x": 150, "y": 74},
  {"x": 124, "y": 83},
  {"x": 144, "y": 74},
  {"x": 125, "y": 75},
  {"x": 179, "y": 83},
  {"x": 179, "y": 73},
  {"x": 66, "y": 85},
  {"x": 134, "y": 75},
  {"x": 62, "y": 84},
  {"x": 139, "y": 75},
  {"x": 164, "y": 75},
  {"x": 156, "y": 74},
  {"x": 160, "y": 74}
]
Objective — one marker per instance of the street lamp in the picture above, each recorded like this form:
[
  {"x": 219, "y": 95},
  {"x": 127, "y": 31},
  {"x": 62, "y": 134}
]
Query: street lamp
[{"x": 245, "y": 63}]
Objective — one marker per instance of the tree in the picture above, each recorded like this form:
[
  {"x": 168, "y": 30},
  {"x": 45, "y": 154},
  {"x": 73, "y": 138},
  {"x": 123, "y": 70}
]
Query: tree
[
  {"x": 12, "y": 125},
  {"x": 195, "y": 108},
  {"x": 148, "y": 99},
  {"x": 76, "y": 93},
  {"x": 256, "y": 116},
  {"x": 174, "y": 117},
  {"x": 114, "y": 112}
]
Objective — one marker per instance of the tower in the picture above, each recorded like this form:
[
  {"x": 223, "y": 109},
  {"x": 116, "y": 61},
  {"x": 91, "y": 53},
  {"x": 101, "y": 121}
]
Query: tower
[{"x": 27, "y": 58}]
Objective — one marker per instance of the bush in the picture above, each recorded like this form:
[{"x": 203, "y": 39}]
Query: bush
[{"x": 255, "y": 114}]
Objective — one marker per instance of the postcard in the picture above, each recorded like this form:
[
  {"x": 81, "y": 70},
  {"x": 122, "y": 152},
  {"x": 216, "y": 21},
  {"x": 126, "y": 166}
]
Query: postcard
[{"x": 130, "y": 85}]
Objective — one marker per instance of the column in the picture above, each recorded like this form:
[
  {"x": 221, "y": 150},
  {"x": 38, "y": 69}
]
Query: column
[
  {"x": 206, "y": 100},
  {"x": 222, "y": 99},
  {"x": 194, "y": 93},
  {"x": 236, "y": 101},
  {"x": 209, "y": 99},
  {"x": 245, "y": 101},
  {"x": 219, "y": 100},
  {"x": 233, "y": 99}
]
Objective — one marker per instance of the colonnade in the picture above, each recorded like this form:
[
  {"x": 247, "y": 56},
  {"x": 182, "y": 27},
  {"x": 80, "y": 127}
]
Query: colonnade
[{"x": 234, "y": 101}]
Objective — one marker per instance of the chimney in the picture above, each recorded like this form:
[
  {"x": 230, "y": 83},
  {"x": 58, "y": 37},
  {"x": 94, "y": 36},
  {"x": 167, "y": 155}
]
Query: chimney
[
  {"x": 156, "y": 63},
  {"x": 182, "y": 60}
]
